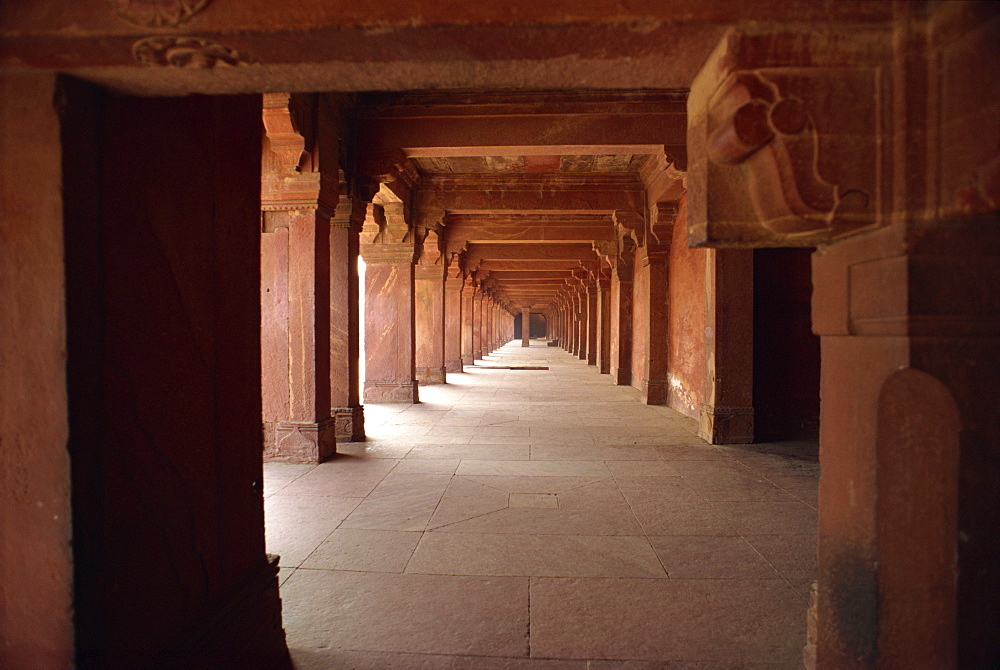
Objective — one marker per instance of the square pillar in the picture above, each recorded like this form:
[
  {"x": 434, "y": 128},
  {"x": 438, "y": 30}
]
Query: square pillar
[
  {"x": 429, "y": 313},
  {"x": 468, "y": 323},
  {"x": 453, "y": 330},
  {"x": 655, "y": 371},
  {"x": 389, "y": 304},
  {"x": 525, "y": 326},
  {"x": 591, "y": 322},
  {"x": 477, "y": 324},
  {"x": 345, "y": 403},
  {"x": 604, "y": 325},
  {"x": 727, "y": 414},
  {"x": 621, "y": 323},
  {"x": 297, "y": 206}
]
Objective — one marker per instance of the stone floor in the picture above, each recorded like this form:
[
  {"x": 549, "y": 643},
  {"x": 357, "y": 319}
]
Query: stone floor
[{"x": 542, "y": 519}]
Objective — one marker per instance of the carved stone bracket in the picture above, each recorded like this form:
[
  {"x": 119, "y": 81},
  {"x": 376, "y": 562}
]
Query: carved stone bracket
[{"x": 784, "y": 140}]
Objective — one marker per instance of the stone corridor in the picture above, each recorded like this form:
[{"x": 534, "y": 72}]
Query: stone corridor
[{"x": 542, "y": 519}]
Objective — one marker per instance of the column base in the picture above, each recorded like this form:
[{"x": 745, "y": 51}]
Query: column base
[
  {"x": 654, "y": 391},
  {"x": 726, "y": 425},
  {"x": 350, "y": 423},
  {"x": 467, "y": 360},
  {"x": 453, "y": 365},
  {"x": 477, "y": 356},
  {"x": 392, "y": 391},
  {"x": 299, "y": 441},
  {"x": 621, "y": 376},
  {"x": 426, "y": 376}
]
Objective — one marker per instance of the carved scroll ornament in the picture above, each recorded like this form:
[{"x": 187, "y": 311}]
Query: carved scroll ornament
[
  {"x": 156, "y": 13},
  {"x": 775, "y": 134},
  {"x": 186, "y": 52}
]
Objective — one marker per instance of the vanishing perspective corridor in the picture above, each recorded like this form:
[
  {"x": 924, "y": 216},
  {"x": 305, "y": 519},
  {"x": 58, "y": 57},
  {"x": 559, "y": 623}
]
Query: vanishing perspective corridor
[{"x": 516, "y": 515}]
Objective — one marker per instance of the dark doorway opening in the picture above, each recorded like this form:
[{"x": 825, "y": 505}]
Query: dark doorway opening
[{"x": 785, "y": 351}]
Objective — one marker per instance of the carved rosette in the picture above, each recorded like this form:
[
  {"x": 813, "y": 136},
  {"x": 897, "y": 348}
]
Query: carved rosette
[
  {"x": 156, "y": 13},
  {"x": 186, "y": 52}
]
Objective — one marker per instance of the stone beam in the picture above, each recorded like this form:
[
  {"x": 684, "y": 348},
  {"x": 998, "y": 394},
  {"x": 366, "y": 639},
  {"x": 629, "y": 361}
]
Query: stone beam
[
  {"x": 534, "y": 228},
  {"x": 560, "y": 192},
  {"x": 541, "y": 252}
]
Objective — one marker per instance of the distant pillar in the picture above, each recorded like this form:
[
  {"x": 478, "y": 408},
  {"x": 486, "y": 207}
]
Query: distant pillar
[
  {"x": 604, "y": 324},
  {"x": 453, "y": 330},
  {"x": 592, "y": 326},
  {"x": 468, "y": 322},
  {"x": 621, "y": 317},
  {"x": 477, "y": 324},
  {"x": 525, "y": 326}
]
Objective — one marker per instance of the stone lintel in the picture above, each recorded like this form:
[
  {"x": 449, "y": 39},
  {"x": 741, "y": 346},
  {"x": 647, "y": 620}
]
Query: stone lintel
[
  {"x": 388, "y": 254},
  {"x": 402, "y": 391},
  {"x": 726, "y": 425},
  {"x": 350, "y": 423},
  {"x": 299, "y": 441}
]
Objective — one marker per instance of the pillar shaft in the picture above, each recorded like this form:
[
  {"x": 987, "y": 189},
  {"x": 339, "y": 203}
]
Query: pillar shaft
[
  {"x": 468, "y": 323},
  {"x": 727, "y": 414},
  {"x": 621, "y": 324},
  {"x": 453, "y": 330},
  {"x": 389, "y": 332},
  {"x": 654, "y": 379},
  {"x": 604, "y": 326},
  {"x": 592, "y": 323},
  {"x": 295, "y": 295},
  {"x": 429, "y": 314},
  {"x": 390, "y": 340},
  {"x": 525, "y": 326},
  {"x": 345, "y": 403},
  {"x": 477, "y": 325}
]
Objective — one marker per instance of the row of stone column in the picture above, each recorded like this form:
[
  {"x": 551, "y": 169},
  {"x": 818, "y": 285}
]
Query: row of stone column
[{"x": 424, "y": 316}]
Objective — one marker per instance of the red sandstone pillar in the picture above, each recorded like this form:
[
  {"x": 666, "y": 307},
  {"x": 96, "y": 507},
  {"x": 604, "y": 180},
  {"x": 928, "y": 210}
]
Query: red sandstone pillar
[
  {"x": 429, "y": 314},
  {"x": 487, "y": 325},
  {"x": 295, "y": 288},
  {"x": 345, "y": 404},
  {"x": 580, "y": 307},
  {"x": 656, "y": 265},
  {"x": 389, "y": 319},
  {"x": 727, "y": 413},
  {"x": 453, "y": 330},
  {"x": 604, "y": 324},
  {"x": 525, "y": 326},
  {"x": 477, "y": 323},
  {"x": 591, "y": 321},
  {"x": 621, "y": 319},
  {"x": 468, "y": 322}
]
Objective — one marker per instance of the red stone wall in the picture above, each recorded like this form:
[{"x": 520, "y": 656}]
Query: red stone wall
[
  {"x": 640, "y": 314},
  {"x": 35, "y": 565},
  {"x": 687, "y": 321}
]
